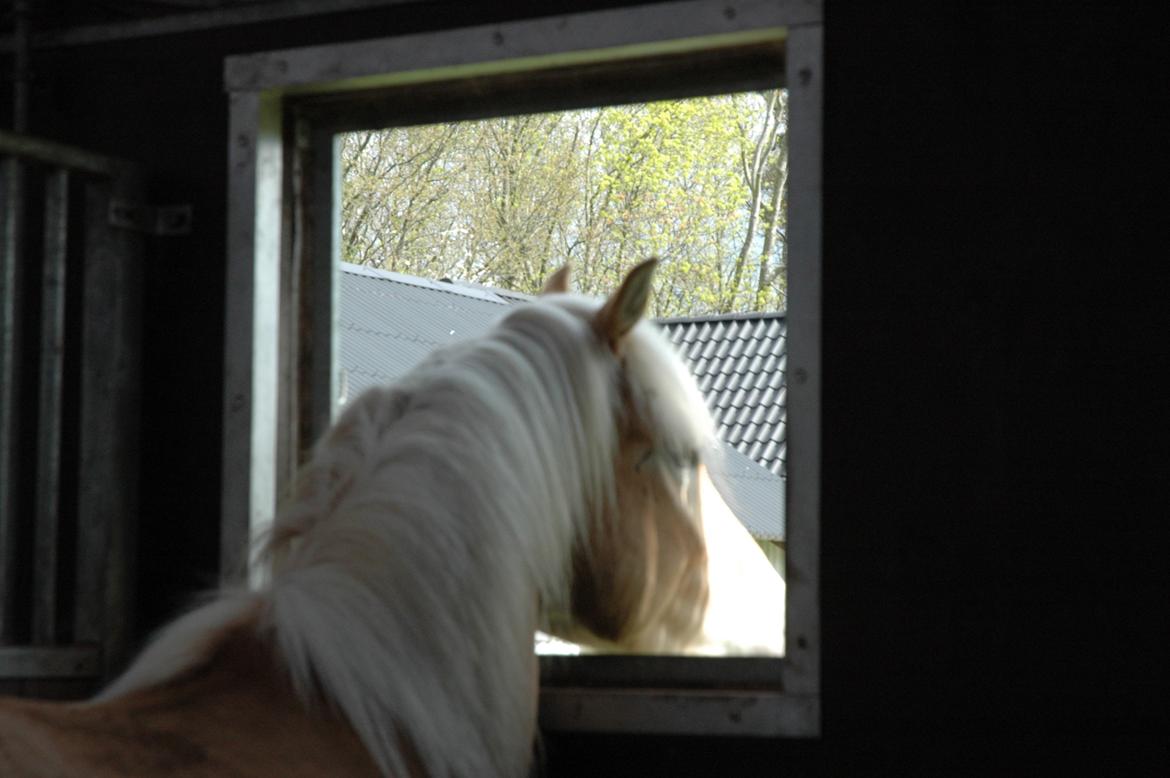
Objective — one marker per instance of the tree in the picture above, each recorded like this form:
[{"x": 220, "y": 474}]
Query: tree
[
  {"x": 393, "y": 196},
  {"x": 766, "y": 167},
  {"x": 503, "y": 202}
]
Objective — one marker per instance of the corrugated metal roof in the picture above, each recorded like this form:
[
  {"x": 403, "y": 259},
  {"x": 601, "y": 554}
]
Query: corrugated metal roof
[
  {"x": 388, "y": 322},
  {"x": 754, "y": 493},
  {"x": 740, "y": 363}
]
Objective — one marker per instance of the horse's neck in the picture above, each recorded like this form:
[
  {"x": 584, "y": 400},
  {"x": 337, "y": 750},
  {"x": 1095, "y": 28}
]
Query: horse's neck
[
  {"x": 235, "y": 715},
  {"x": 383, "y": 667},
  {"x": 409, "y": 590}
]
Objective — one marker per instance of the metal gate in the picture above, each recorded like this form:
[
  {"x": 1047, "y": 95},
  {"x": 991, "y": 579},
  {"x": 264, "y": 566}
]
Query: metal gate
[{"x": 70, "y": 300}]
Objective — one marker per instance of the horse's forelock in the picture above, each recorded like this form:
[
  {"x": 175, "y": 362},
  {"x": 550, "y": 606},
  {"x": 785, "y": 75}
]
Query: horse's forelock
[{"x": 663, "y": 391}]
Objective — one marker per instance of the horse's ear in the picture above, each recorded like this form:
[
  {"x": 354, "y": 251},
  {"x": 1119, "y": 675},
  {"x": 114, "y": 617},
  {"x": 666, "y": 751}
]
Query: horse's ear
[
  {"x": 626, "y": 306},
  {"x": 558, "y": 282}
]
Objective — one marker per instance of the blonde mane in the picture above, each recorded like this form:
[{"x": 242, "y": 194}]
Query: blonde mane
[{"x": 407, "y": 567}]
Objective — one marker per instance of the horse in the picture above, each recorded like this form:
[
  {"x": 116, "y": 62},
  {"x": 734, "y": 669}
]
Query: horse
[{"x": 546, "y": 475}]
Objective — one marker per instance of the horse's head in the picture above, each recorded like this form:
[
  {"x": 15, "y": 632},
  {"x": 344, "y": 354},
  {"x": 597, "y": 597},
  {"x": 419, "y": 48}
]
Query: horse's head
[{"x": 639, "y": 577}]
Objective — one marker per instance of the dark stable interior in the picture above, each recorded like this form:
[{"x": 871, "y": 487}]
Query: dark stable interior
[{"x": 989, "y": 582}]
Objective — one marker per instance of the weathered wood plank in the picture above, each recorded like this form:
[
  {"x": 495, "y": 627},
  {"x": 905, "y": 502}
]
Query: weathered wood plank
[
  {"x": 252, "y": 331},
  {"x": 674, "y": 712},
  {"x": 802, "y": 559},
  {"x": 320, "y": 245},
  {"x": 639, "y": 79},
  {"x": 64, "y": 689}
]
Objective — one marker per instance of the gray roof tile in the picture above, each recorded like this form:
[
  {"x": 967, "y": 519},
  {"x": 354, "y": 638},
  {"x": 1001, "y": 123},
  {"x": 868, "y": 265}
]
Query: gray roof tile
[
  {"x": 388, "y": 322},
  {"x": 745, "y": 356}
]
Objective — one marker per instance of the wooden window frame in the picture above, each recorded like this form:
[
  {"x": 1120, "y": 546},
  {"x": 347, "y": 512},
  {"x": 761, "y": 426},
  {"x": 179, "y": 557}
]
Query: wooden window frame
[{"x": 286, "y": 109}]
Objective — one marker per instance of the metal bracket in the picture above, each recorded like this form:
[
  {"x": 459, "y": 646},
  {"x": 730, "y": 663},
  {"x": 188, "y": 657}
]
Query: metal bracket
[{"x": 154, "y": 220}]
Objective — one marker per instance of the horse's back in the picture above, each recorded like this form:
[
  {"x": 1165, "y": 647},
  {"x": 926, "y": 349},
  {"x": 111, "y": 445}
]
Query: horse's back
[
  {"x": 27, "y": 747},
  {"x": 51, "y": 739},
  {"x": 233, "y": 717},
  {"x": 38, "y": 740},
  {"x": 55, "y": 739}
]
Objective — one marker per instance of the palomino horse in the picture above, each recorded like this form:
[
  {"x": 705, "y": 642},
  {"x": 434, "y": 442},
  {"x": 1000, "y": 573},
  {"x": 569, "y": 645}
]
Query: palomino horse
[{"x": 551, "y": 466}]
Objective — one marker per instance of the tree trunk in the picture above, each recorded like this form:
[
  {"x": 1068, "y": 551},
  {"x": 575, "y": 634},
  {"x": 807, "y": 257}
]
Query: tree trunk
[
  {"x": 765, "y": 278},
  {"x": 754, "y": 180}
]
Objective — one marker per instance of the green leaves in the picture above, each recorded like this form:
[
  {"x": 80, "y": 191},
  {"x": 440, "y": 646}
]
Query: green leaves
[{"x": 505, "y": 201}]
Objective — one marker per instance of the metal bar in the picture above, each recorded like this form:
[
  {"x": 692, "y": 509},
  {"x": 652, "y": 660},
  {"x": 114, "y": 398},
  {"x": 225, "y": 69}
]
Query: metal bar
[
  {"x": 21, "y": 34},
  {"x": 45, "y": 573},
  {"x": 94, "y": 497},
  {"x": 55, "y": 662},
  {"x": 109, "y": 441},
  {"x": 11, "y": 240},
  {"x": 59, "y": 154},
  {"x": 252, "y": 326},
  {"x": 805, "y": 80}
]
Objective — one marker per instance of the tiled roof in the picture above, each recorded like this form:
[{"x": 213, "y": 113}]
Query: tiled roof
[
  {"x": 388, "y": 322},
  {"x": 740, "y": 363}
]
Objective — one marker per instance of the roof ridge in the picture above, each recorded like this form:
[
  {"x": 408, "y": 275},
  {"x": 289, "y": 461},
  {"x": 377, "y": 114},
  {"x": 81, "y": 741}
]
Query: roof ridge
[
  {"x": 497, "y": 295},
  {"x": 477, "y": 292},
  {"x": 718, "y": 317}
]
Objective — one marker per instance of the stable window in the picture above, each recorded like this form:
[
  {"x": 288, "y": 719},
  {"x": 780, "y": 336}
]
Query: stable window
[
  {"x": 287, "y": 111},
  {"x": 446, "y": 226}
]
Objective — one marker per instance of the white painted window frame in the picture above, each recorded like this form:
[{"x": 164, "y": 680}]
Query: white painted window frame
[{"x": 749, "y": 697}]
